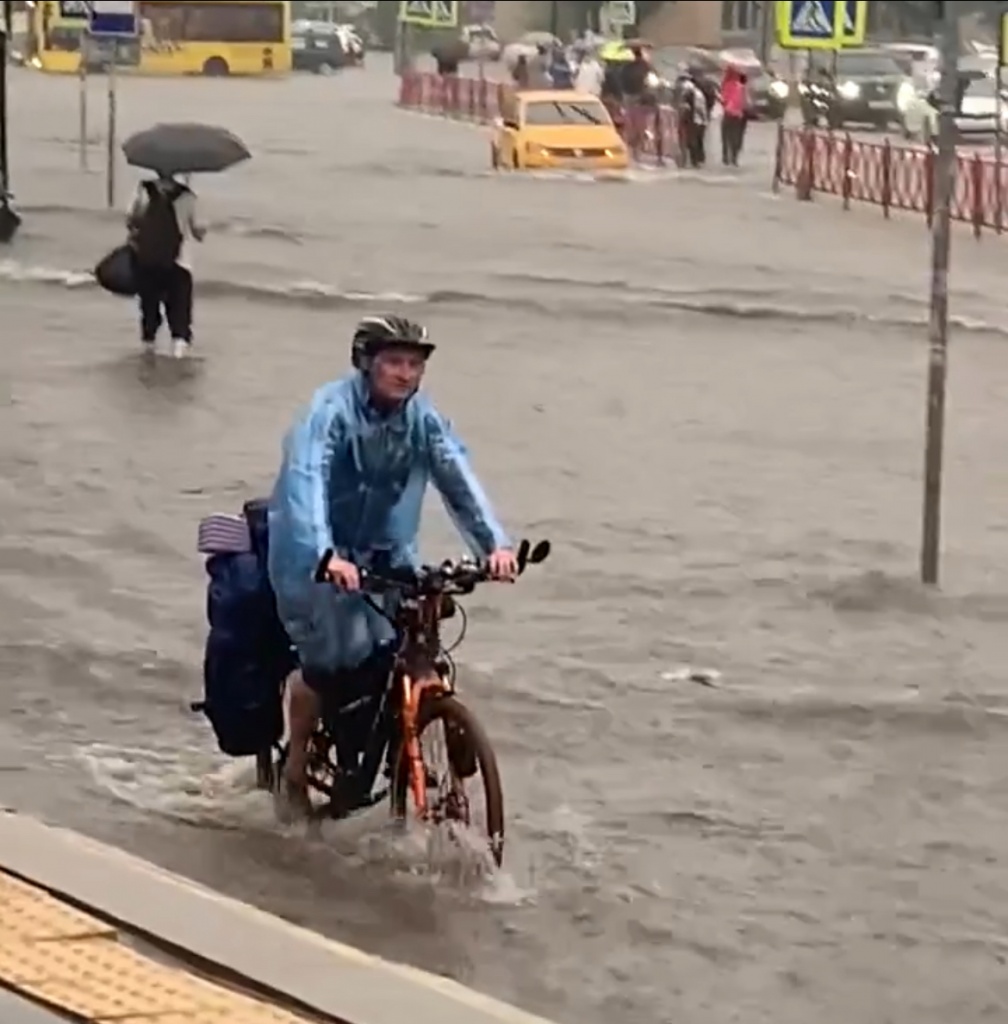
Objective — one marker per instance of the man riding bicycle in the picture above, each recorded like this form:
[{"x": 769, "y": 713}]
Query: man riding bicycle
[{"x": 355, "y": 466}]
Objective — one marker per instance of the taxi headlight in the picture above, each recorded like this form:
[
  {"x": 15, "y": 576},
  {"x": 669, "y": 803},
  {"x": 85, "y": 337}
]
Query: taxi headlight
[
  {"x": 849, "y": 90},
  {"x": 779, "y": 89}
]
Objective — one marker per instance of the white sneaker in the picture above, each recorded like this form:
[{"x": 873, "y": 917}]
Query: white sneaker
[{"x": 180, "y": 349}]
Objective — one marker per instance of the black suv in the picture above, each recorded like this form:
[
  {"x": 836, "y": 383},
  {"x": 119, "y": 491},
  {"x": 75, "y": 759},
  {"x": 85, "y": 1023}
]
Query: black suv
[{"x": 870, "y": 87}]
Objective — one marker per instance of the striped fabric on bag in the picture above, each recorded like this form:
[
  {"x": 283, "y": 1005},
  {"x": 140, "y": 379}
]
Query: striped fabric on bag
[{"x": 222, "y": 534}]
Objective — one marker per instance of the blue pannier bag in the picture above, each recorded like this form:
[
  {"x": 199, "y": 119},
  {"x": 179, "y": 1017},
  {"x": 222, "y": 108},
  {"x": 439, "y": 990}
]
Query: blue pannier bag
[{"x": 248, "y": 653}]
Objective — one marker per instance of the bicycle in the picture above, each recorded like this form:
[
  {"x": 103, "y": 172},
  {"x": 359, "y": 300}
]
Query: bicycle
[{"x": 382, "y": 712}]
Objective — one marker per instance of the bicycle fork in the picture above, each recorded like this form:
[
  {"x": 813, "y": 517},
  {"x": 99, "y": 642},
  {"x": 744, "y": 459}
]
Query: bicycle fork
[{"x": 411, "y": 694}]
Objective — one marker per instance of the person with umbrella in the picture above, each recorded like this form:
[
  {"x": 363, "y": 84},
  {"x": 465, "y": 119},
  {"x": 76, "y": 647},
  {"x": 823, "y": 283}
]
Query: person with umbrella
[{"x": 163, "y": 219}]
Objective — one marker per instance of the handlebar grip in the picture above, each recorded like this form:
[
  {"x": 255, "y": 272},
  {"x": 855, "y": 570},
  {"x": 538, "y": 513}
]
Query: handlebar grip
[{"x": 322, "y": 569}]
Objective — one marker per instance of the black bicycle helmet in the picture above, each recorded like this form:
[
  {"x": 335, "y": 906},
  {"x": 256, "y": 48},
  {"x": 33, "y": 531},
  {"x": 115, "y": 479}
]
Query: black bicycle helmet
[{"x": 375, "y": 333}]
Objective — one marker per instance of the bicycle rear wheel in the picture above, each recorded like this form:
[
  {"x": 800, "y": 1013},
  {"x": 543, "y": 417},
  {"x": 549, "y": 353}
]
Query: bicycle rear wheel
[{"x": 469, "y": 755}]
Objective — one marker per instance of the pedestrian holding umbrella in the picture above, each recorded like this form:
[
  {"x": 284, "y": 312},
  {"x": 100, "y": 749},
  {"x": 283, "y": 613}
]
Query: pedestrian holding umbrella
[
  {"x": 162, "y": 219},
  {"x": 183, "y": 148}
]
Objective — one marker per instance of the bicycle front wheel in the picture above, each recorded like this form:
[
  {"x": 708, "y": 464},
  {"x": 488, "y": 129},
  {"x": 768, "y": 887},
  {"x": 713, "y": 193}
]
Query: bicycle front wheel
[{"x": 445, "y": 723}]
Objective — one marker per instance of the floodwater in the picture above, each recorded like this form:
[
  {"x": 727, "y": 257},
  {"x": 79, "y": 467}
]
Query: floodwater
[{"x": 711, "y": 399}]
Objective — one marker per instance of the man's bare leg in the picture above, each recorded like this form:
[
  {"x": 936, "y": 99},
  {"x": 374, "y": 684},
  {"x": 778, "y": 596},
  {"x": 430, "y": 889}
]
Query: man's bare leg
[{"x": 304, "y": 709}]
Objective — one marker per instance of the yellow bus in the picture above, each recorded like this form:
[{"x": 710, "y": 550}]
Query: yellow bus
[{"x": 177, "y": 37}]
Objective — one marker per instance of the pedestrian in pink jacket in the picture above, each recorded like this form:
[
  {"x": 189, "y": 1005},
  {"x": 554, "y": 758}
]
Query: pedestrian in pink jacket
[{"x": 734, "y": 106}]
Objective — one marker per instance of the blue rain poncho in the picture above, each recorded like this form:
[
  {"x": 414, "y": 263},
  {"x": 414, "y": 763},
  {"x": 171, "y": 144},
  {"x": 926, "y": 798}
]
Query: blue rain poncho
[{"x": 352, "y": 480}]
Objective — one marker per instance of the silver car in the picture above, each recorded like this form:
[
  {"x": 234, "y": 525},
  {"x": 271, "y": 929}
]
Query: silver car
[{"x": 979, "y": 111}]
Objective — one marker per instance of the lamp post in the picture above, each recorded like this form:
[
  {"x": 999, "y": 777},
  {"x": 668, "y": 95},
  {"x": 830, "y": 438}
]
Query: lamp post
[
  {"x": 9, "y": 220},
  {"x": 947, "y": 33}
]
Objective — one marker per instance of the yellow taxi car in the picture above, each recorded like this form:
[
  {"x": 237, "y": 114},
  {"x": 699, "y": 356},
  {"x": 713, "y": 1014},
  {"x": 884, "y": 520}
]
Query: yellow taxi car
[{"x": 556, "y": 129}]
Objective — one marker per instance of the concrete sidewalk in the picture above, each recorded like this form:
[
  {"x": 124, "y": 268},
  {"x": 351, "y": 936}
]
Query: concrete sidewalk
[{"x": 281, "y": 963}]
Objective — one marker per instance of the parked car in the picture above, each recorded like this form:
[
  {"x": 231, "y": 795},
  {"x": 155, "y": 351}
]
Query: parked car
[{"x": 323, "y": 47}]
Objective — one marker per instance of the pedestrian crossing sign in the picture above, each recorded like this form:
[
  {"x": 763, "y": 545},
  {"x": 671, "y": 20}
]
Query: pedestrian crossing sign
[
  {"x": 812, "y": 24},
  {"x": 855, "y": 22},
  {"x": 429, "y": 13}
]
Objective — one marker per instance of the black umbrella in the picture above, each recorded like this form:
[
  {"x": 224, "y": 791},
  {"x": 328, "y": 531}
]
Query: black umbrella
[{"x": 185, "y": 149}]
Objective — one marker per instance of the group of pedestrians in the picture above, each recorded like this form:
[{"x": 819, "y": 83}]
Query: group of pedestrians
[
  {"x": 695, "y": 97},
  {"x": 635, "y": 84},
  {"x": 547, "y": 68}
]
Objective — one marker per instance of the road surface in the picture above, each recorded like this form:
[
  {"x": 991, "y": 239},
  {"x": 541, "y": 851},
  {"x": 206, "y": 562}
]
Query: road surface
[{"x": 709, "y": 398}]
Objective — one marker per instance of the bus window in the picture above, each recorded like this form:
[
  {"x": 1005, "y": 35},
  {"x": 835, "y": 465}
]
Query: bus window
[
  {"x": 63, "y": 38},
  {"x": 203, "y": 21}
]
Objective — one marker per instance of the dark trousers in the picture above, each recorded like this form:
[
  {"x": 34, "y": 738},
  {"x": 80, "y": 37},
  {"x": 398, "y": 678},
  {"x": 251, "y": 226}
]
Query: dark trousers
[
  {"x": 165, "y": 294},
  {"x": 732, "y": 136},
  {"x": 696, "y": 136}
]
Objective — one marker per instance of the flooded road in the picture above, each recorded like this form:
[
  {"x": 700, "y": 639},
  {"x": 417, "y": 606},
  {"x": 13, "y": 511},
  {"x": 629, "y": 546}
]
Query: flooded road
[{"x": 709, "y": 398}]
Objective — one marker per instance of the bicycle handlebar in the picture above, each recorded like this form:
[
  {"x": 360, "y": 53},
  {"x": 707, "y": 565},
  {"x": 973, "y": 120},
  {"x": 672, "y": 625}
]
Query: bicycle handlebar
[{"x": 450, "y": 577}]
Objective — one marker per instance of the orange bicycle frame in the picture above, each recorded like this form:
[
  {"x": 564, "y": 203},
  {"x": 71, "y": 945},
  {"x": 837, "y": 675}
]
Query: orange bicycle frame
[{"x": 418, "y": 640}]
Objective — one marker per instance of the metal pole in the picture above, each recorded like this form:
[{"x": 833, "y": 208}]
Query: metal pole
[
  {"x": 398, "y": 48},
  {"x": 554, "y": 17},
  {"x": 998, "y": 145},
  {"x": 82, "y": 98},
  {"x": 766, "y": 34},
  {"x": 110, "y": 155},
  {"x": 9, "y": 220},
  {"x": 4, "y": 155},
  {"x": 941, "y": 239}
]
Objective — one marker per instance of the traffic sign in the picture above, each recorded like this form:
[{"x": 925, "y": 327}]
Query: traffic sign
[
  {"x": 74, "y": 9},
  {"x": 429, "y": 13},
  {"x": 855, "y": 22},
  {"x": 811, "y": 24},
  {"x": 113, "y": 19},
  {"x": 621, "y": 12}
]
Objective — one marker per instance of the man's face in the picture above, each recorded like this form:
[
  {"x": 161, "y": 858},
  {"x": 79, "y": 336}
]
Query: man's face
[{"x": 395, "y": 374}]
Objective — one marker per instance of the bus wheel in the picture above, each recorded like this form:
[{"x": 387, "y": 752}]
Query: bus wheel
[{"x": 217, "y": 67}]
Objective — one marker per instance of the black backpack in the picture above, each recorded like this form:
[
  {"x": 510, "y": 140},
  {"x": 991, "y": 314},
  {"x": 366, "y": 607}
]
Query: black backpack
[
  {"x": 248, "y": 654},
  {"x": 157, "y": 240}
]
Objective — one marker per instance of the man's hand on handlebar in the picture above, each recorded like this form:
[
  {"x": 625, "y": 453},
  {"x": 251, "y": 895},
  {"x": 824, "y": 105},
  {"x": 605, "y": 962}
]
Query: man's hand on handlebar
[
  {"x": 342, "y": 574},
  {"x": 502, "y": 566}
]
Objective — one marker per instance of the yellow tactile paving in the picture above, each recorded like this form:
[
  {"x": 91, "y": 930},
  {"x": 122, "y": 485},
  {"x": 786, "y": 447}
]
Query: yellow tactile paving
[
  {"x": 74, "y": 963},
  {"x": 31, "y": 915}
]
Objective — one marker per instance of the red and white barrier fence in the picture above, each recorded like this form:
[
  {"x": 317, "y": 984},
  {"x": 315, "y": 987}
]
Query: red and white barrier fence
[
  {"x": 651, "y": 132},
  {"x": 890, "y": 177}
]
